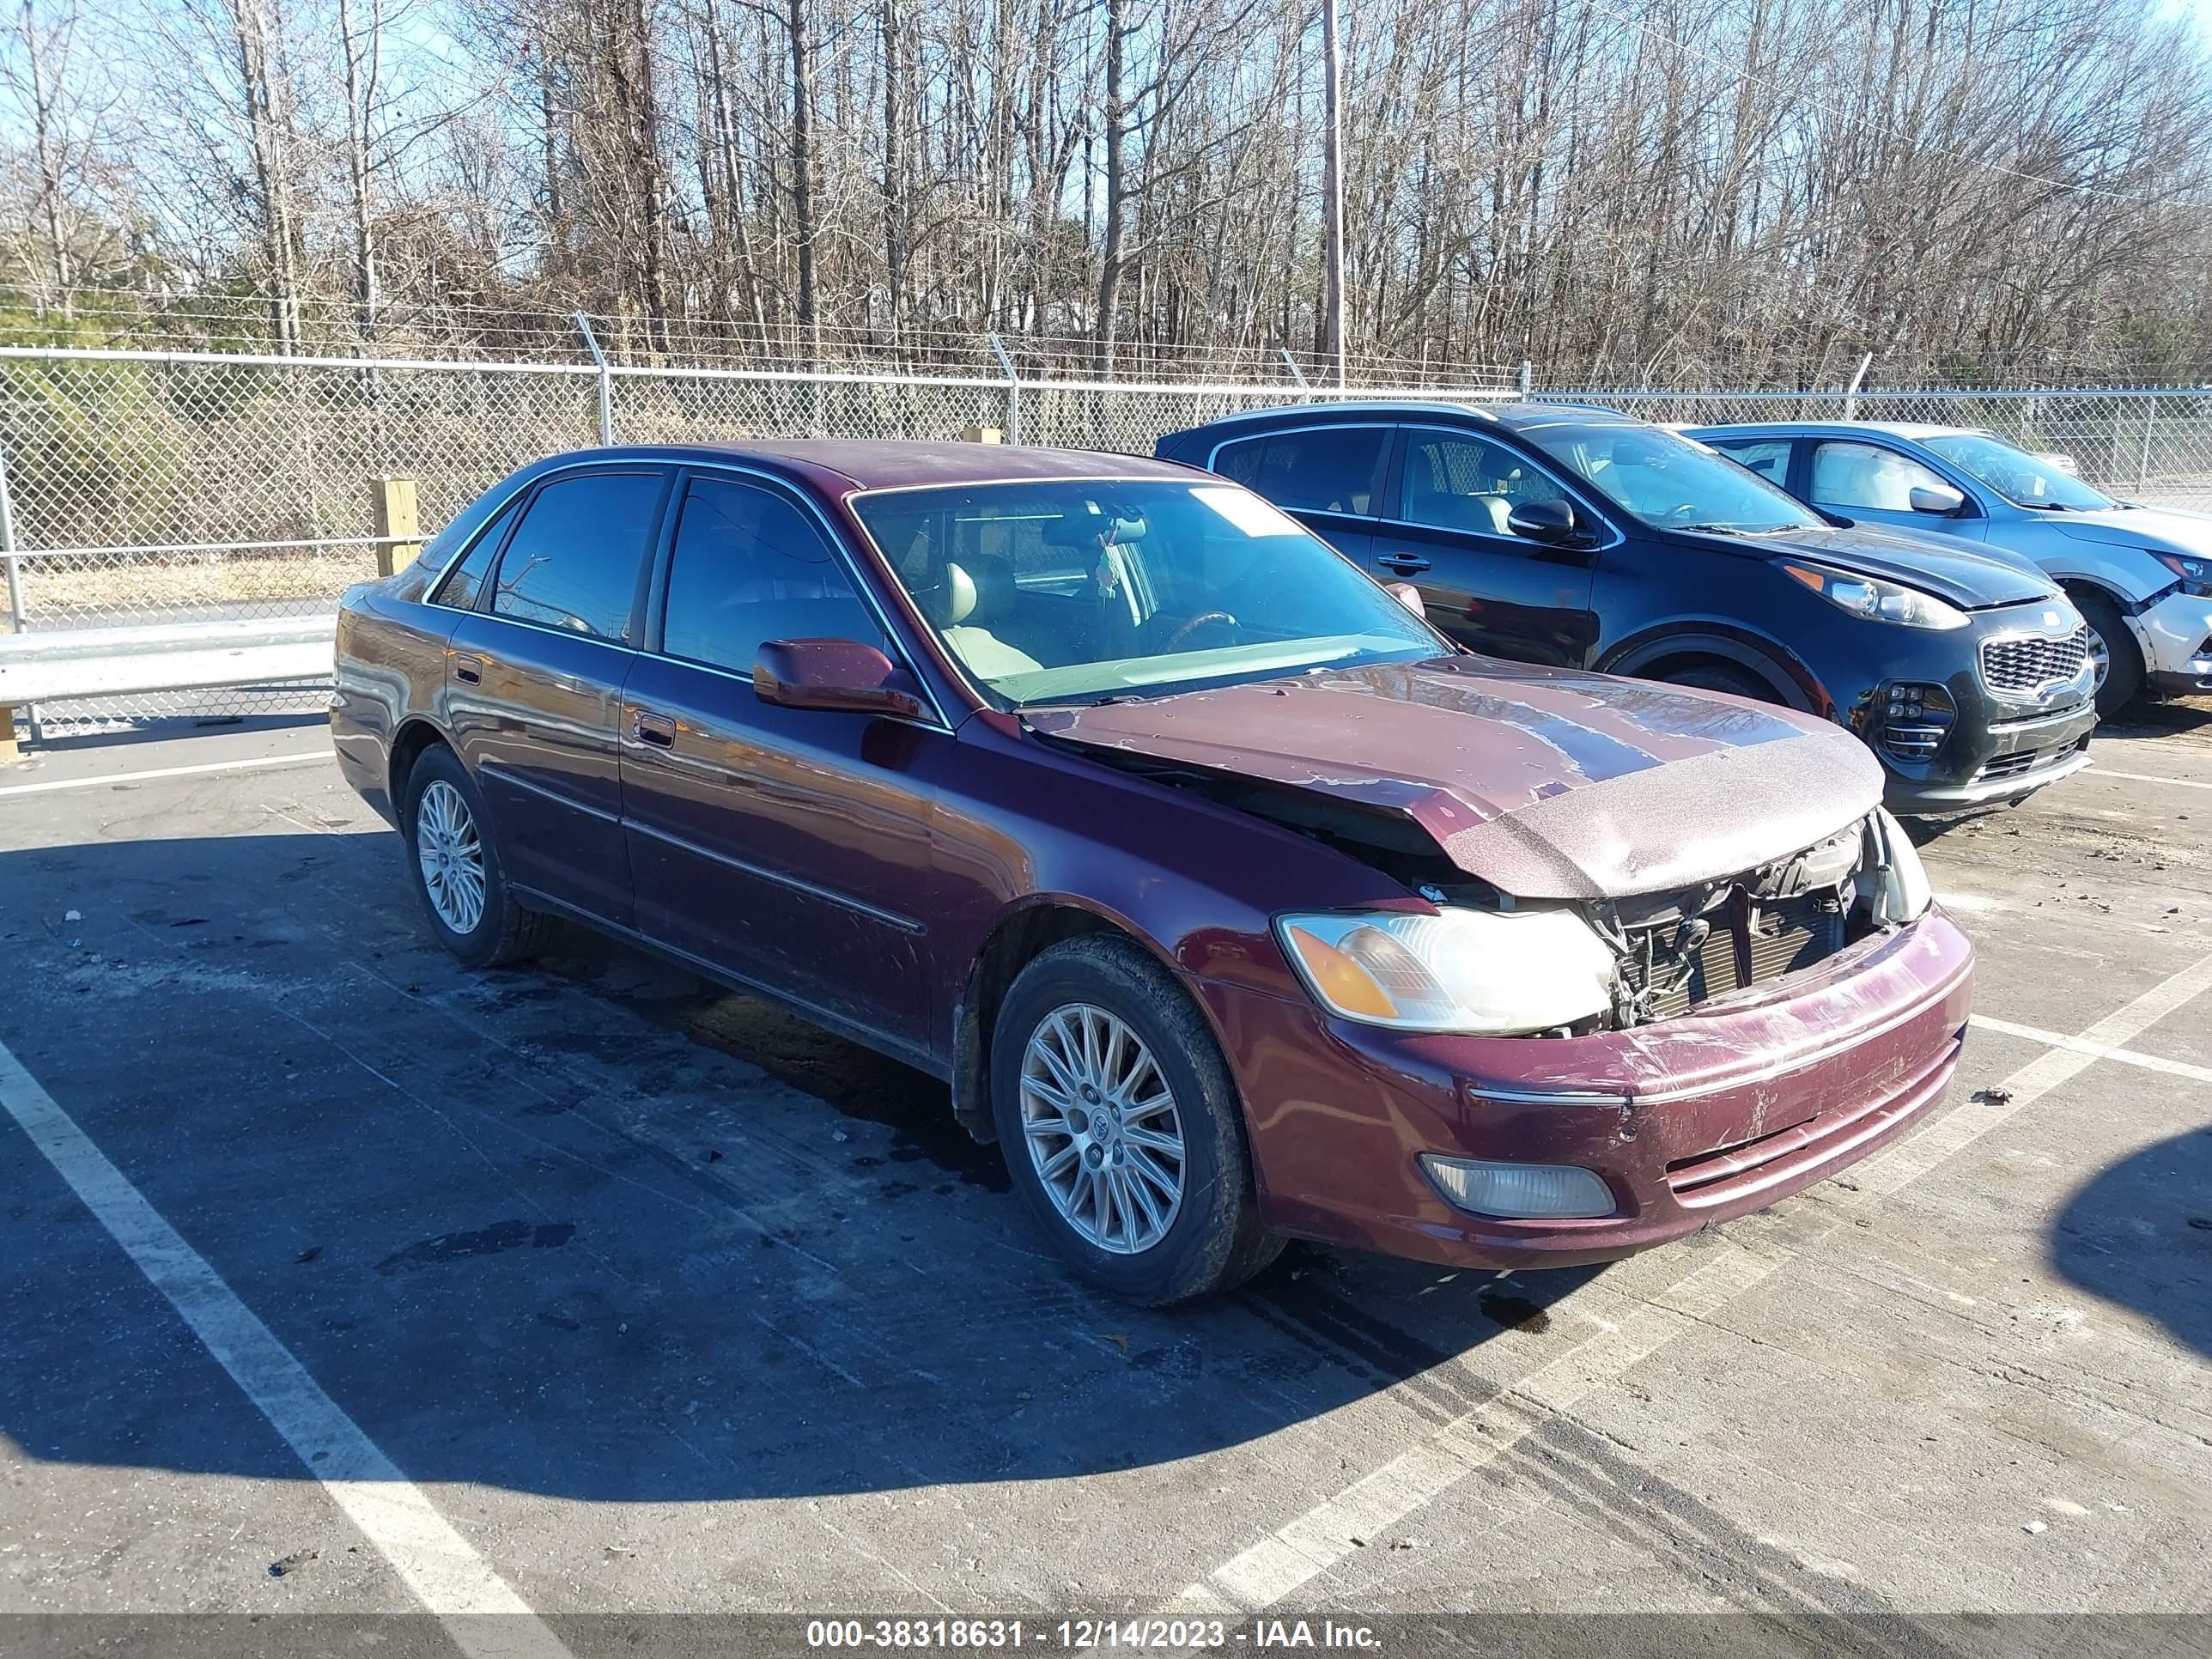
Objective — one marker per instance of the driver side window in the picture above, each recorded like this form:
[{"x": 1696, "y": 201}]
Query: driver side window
[
  {"x": 1870, "y": 478},
  {"x": 1456, "y": 480}
]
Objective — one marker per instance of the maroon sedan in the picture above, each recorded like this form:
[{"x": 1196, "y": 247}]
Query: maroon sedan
[{"x": 1230, "y": 898}]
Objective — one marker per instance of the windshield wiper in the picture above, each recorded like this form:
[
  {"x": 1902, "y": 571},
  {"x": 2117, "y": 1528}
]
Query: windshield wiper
[{"x": 1714, "y": 528}]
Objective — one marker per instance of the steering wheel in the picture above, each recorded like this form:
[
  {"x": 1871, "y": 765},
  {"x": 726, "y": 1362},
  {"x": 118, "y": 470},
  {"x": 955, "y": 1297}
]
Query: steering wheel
[
  {"x": 1683, "y": 513},
  {"x": 1194, "y": 625}
]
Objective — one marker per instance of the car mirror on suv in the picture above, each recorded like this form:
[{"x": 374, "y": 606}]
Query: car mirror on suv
[
  {"x": 1939, "y": 499},
  {"x": 835, "y": 674},
  {"x": 1550, "y": 521}
]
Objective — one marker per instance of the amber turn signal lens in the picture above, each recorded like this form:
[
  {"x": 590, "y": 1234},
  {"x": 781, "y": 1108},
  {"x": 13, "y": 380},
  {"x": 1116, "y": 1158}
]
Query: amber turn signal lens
[{"x": 1341, "y": 981}]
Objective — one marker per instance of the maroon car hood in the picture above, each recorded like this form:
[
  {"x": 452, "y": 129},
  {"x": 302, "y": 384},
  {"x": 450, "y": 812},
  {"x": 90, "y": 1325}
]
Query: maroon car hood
[{"x": 1546, "y": 783}]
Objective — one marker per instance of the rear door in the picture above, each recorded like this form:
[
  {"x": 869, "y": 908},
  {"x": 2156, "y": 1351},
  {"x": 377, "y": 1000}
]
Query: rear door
[
  {"x": 788, "y": 847},
  {"x": 534, "y": 678},
  {"x": 1486, "y": 587},
  {"x": 1328, "y": 476}
]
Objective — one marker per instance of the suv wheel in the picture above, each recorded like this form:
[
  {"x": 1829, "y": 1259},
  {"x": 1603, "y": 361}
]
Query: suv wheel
[
  {"x": 2114, "y": 649},
  {"x": 456, "y": 868},
  {"x": 1121, "y": 1126}
]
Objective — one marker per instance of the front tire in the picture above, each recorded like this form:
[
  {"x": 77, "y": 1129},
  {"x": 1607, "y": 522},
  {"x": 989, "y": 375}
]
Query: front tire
[
  {"x": 455, "y": 865},
  {"x": 2120, "y": 679},
  {"x": 1122, "y": 1127}
]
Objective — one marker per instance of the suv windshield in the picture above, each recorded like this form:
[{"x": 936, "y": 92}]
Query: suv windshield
[
  {"x": 1668, "y": 481},
  {"x": 1073, "y": 591},
  {"x": 2023, "y": 479}
]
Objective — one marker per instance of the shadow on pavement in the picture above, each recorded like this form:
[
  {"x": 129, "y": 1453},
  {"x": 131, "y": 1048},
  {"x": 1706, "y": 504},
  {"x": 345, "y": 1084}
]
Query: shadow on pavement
[
  {"x": 572, "y": 1230},
  {"x": 2140, "y": 1234}
]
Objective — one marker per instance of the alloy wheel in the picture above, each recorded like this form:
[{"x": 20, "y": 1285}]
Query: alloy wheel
[
  {"x": 1102, "y": 1128},
  {"x": 2100, "y": 658},
  {"x": 451, "y": 854}
]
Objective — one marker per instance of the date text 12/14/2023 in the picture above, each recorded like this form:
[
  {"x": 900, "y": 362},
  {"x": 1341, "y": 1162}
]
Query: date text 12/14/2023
[{"x": 1077, "y": 1635}]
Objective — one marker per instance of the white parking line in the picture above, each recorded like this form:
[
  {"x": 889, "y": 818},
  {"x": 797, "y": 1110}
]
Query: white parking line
[
  {"x": 109, "y": 779},
  {"x": 1317, "y": 1540},
  {"x": 2098, "y": 1050},
  {"x": 2145, "y": 777},
  {"x": 481, "y": 1611}
]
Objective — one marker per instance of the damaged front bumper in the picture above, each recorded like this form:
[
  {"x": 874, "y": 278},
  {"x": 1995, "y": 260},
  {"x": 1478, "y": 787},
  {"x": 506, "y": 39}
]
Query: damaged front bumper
[{"x": 1688, "y": 1121}]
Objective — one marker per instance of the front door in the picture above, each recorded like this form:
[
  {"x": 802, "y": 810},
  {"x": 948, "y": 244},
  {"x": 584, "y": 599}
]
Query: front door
[
  {"x": 534, "y": 680},
  {"x": 1871, "y": 484},
  {"x": 786, "y": 848},
  {"x": 1488, "y": 588}
]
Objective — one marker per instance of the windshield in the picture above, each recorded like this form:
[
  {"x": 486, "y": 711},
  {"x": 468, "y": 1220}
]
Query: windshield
[
  {"x": 1073, "y": 591},
  {"x": 1666, "y": 480},
  {"x": 2023, "y": 479}
]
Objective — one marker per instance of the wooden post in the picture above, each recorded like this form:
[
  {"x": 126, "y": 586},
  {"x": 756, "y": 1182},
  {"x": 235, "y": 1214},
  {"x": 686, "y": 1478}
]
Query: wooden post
[
  {"x": 980, "y": 435},
  {"x": 391, "y": 509}
]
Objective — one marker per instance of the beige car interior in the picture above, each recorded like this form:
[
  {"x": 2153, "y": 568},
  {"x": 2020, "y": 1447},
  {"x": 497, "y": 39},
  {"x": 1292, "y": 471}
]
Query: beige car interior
[{"x": 976, "y": 592}]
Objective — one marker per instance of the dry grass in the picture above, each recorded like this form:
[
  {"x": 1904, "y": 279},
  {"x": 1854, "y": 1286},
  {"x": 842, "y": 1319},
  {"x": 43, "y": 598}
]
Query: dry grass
[{"x": 53, "y": 589}]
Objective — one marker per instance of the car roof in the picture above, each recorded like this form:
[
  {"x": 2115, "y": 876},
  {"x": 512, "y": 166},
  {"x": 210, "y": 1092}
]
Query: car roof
[
  {"x": 1512, "y": 416},
  {"x": 1894, "y": 428},
  {"x": 842, "y": 464}
]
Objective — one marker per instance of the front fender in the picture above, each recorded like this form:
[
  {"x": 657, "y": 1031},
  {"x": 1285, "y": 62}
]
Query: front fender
[{"x": 1707, "y": 636}]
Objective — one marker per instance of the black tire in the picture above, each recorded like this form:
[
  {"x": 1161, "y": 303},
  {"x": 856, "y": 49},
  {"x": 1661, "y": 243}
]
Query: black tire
[
  {"x": 2123, "y": 677},
  {"x": 1716, "y": 676},
  {"x": 504, "y": 932},
  {"x": 1215, "y": 1240}
]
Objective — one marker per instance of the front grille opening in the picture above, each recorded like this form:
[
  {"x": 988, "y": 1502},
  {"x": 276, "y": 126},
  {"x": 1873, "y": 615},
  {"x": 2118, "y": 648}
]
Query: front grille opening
[
  {"x": 2020, "y": 666},
  {"x": 1753, "y": 941}
]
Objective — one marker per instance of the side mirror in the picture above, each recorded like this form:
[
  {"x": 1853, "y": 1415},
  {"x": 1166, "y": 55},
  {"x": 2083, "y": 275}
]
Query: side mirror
[
  {"x": 1940, "y": 500},
  {"x": 1409, "y": 596},
  {"x": 1550, "y": 521},
  {"x": 836, "y": 674}
]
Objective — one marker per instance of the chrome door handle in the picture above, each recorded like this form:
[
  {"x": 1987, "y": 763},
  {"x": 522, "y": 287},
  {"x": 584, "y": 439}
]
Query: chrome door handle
[
  {"x": 1404, "y": 563},
  {"x": 468, "y": 670},
  {"x": 657, "y": 729}
]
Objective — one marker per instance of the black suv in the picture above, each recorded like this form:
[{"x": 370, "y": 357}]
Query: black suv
[{"x": 1584, "y": 539}]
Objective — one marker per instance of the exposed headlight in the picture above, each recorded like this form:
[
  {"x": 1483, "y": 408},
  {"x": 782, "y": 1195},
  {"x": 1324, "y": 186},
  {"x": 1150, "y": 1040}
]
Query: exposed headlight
[
  {"x": 1875, "y": 599},
  {"x": 1901, "y": 892},
  {"x": 2196, "y": 573},
  {"x": 1489, "y": 972}
]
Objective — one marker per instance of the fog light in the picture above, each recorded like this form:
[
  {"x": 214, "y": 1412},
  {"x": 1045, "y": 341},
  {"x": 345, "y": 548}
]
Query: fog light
[{"x": 1518, "y": 1191}]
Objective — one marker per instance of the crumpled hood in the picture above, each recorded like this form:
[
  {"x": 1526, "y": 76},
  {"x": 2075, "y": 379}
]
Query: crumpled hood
[
  {"x": 1546, "y": 783},
  {"x": 2172, "y": 529},
  {"x": 1973, "y": 578}
]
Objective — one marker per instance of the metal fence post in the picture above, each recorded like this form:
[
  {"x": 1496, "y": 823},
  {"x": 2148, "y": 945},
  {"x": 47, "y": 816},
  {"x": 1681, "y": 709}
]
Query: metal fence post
[
  {"x": 1013, "y": 390},
  {"x": 1851, "y": 391},
  {"x": 17, "y": 622},
  {"x": 606, "y": 382}
]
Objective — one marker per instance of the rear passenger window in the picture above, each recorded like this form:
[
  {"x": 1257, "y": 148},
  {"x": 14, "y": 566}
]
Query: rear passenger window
[
  {"x": 1767, "y": 456},
  {"x": 1334, "y": 469},
  {"x": 573, "y": 561},
  {"x": 1241, "y": 461},
  {"x": 748, "y": 568},
  {"x": 465, "y": 579}
]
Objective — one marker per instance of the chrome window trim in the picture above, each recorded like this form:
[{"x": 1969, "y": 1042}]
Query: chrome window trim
[{"x": 1567, "y": 490}]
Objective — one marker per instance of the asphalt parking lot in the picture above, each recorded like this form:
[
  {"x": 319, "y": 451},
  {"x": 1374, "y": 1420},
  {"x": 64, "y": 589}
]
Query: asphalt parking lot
[{"x": 583, "y": 1290}]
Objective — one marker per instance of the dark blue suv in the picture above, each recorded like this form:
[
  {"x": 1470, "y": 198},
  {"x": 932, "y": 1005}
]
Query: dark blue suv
[{"x": 1584, "y": 539}]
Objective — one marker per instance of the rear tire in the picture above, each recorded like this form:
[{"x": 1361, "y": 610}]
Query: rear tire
[
  {"x": 1099, "y": 1064},
  {"x": 2123, "y": 681},
  {"x": 454, "y": 863}
]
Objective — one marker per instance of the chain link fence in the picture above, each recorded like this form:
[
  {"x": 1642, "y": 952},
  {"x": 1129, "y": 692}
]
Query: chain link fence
[{"x": 149, "y": 487}]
